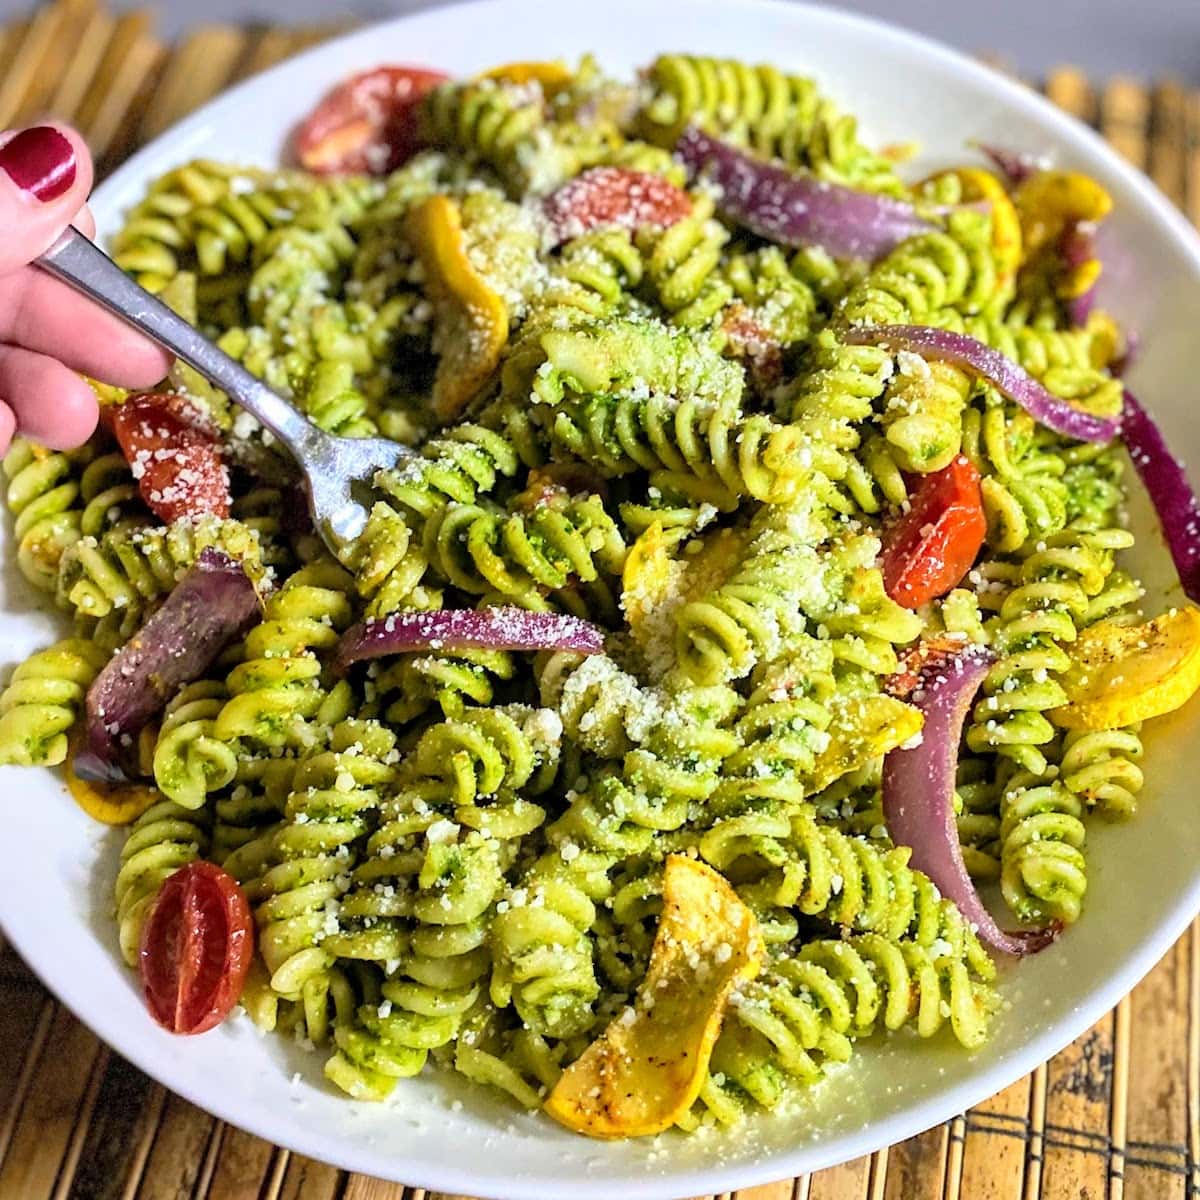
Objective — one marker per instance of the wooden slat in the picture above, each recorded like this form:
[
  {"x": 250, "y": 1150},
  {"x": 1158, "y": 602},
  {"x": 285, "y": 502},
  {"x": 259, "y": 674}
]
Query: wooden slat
[
  {"x": 1036, "y": 1148},
  {"x": 26, "y": 1016},
  {"x": 312, "y": 35},
  {"x": 50, "y": 1111},
  {"x": 1192, "y": 168},
  {"x": 198, "y": 69},
  {"x": 847, "y": 1182},
  {"x": 994, "y": 1146},
  {"x": 360, "y": 1187},
  {"x": 81, "y": 67},
  {"x": 306, "y": 1179},
  {"x": 1118, "y": 1124},
  {"x": 246, "y": 1167},
  {"x": 785, "y": 1189},
  {"x": 1168, "y": 139},
  {"x": 178, "y": 1157},
  {"x": 130, "y": 65},
  {"x": 14, "y": 36},
  {"x": 1124, "y": 108},
  {"x": 122, "y": 1128},
  {"x": 80, "y": 1125},
  {"x": 956, "y": 1145},
  {"x": 1193, "y": 1060},
  {"x": 1078, "y": 1102},
  {"x": 141, "y": 72},
  {"x": 127, "y": 31},
  {"x": 1068, "y": 87},
  {"x": 26, "y": 69},
  {"x": 75, "y": 23},
  {"x": 917, "y": 1167},
  {"x": 879, "y": 1174},
  {"x": 1156, "y": 1152},
  {"x": 268, "y": 46}
]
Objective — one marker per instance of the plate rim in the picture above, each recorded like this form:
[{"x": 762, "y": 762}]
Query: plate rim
[{"x": 807, "y": 1157}]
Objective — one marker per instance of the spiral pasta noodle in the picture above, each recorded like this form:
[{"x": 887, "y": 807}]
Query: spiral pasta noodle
[
  {"x": 110, "y": 496},
  {"x": 808, "y": 1010},
  {"x": 156, "y": 234},
  {"x": 301, "y": 870},
  {"x": 779, "y": 115},
  {"x": 682, "y": 265},
  {"x": 44, "y": 497},
  {"x": 163, "y": 839},
  {"x": 518, "y": 554},
  {"x": 277, "y": 693},
  {"x": 189, "y": 760},
  {"x": 488, "y": 121},
  {"x": 129, "y": 569},
  {"x": 1037, "y": 616},
  {"x": 44, "y": 698},
  {"x": 596, "y": 273}
]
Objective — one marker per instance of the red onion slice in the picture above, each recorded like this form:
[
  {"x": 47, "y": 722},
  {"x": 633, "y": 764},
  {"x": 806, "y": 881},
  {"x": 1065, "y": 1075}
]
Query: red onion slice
[
  {"x": 1077, "y": 247},
  {"x": 972, "y": 355},
  {"x": 1015, "y": 165},
  {"x": 1170, "y": 492},
  {"x": 918, "y": 795},
  {"x": 795, "y": 209},
  {"x": 501, "y": 628},
  {"x": 211, "y": 605}
]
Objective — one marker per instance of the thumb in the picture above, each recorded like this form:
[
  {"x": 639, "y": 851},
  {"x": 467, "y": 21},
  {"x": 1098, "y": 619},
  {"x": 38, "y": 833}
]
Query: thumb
[{"x": 45, "y": 177}]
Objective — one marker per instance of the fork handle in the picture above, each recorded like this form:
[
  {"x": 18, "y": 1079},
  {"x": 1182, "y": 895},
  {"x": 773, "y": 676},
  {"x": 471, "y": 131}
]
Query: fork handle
[{"x": 81, "y": 263}]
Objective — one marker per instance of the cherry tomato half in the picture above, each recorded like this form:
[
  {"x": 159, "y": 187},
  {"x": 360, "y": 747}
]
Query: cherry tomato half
[
  {"x": 928, "y": 550},
  {"x": 368, "y": 123},
  {"x": 196, "y": 949},
  {"x": 615, "y": 198},
  {"x": 174, "y": 454}
]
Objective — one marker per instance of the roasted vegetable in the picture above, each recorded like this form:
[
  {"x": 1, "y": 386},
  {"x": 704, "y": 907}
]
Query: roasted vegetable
[
  {"x": 472, "y": 320},
  {"x": 646, "y": 1070},
  {"x": 1121, "y": 674}
]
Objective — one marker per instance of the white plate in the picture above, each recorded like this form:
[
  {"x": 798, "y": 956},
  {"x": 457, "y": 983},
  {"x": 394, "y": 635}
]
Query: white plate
[{"x": 1144, "y": 878}]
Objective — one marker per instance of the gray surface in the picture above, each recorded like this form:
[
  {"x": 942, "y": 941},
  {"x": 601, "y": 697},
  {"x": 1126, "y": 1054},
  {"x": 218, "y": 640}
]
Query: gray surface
[{"x": 1144, "y": 38}]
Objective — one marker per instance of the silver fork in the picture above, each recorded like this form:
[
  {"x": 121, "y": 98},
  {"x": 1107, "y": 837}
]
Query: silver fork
[{"x": 338, "y": 472}]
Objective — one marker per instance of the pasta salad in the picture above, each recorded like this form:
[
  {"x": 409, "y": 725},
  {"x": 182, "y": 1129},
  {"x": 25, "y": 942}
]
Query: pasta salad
[{"x": 751, "y": 600}]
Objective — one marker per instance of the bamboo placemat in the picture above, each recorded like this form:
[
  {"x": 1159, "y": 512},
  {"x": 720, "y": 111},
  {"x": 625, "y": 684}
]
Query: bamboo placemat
[{"x": 1115, "y": 1115}]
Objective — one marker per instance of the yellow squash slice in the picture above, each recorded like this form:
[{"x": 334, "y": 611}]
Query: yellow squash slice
[
  {"x": 472, "y": 319},
  {"x": 650, "y": 583},
  {"x": 111, "y": 805},
  {"x": 646, "y": 1070},
  {"x": 1047, "y": 203},
  {"x": 660, "y": 576},
  {"x": 861, "y": 729},
  {"x": 552, "y": 75},
  {"x": 1121, "y": 674},
  {"x": 980, "y": 185}
]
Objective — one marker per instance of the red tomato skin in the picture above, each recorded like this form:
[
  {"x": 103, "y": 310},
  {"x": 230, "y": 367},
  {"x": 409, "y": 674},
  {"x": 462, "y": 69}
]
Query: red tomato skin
[
  {"x": 197, "y": 945},
  {"x": 368, "y": 123},
  {"x": 929, "y": 549},
  {"x": 614, "y": 197},
  {"x": 174, "y": 453}
]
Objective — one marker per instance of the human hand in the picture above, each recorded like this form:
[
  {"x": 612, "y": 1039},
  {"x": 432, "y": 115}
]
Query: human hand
[{"x": 48, "y": 332}]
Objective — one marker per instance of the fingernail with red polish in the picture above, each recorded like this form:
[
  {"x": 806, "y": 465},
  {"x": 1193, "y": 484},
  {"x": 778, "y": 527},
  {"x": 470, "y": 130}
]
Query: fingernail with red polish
[{"x": 39, "y": 161}]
